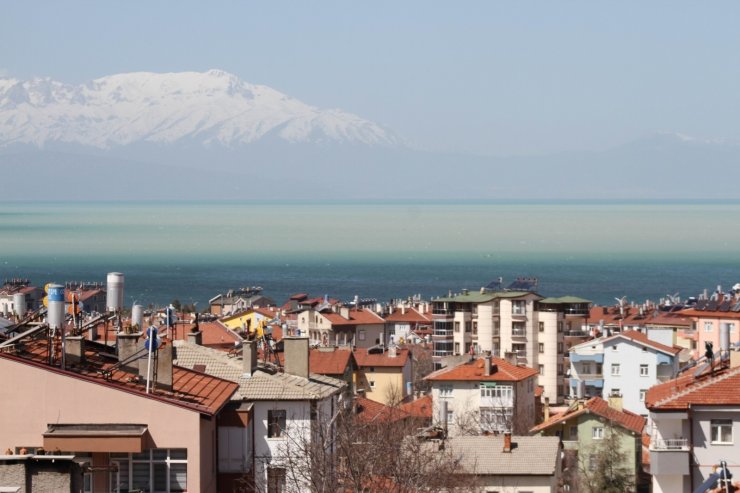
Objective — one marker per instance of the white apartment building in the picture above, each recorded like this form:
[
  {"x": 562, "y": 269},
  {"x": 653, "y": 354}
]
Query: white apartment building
[
  {"x": 625, "y": 364},
  {"x": 484, "y": 395},
  {"x": 527, "y": 326}
]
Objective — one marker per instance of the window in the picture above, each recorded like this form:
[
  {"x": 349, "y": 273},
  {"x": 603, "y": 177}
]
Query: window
[
  {"x": 642, "y": 394},
  {"x": 574, "y": 433},
  {"x": 233, "y": 449},
  {"x": 275, "y": 423},
  {"x": 362, "y": 334},
  {"x": 275, "y": 480},
  {"x": 644, "y": 371},
  {"x": 560, "y": 347},
  {"x": 496, "y": 391},
  {"x": 597, "y": 432},
  {"x": 542, "y": 326},
  {"x": 445, "y": 390},
  {"x": 160, "y": 470},
  {"x": 560, "y": 326},
  {"x": 542, "y": 347},
  {"x": 468, "y": 327},
  {"x": 615, "y": 393},
  {"x": 721, "y": 431},
  {"x": 614, "y": 348},
  {"x": 541, "y": 369},
  {"x": 708, "y": 326},
  {"x": 457, "y": 326},
  {"x": 518, "y": 307},
  {"x": 475, "y": 327},
  {"x": 457, "y": 348},
  {"x": 450, "y": 416},
  {"x": 615, "y": 369},
  {"x": 560, "y": 368},
  {"x": 593, "y": 462},
  {"x": 496, "y": 418},
  {"x": 371, "y": 383}
]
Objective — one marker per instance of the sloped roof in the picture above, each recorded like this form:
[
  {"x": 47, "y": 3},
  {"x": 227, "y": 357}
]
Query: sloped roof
[
  {"x": 356, "y": 317},
  {"x": 644, "y": 340},
  {"x": 474, "y": 370},
  {"x": 484, "y": 455},
  {"x": 720, "y": 389},
  {"x": 368, "y": 411},
  {"x": 262, "y": 385},
  {"x": 203, "y": 393},
  {"x": 365, "y": 359},
  {"x": 407, "y": 315},
  {"x": 596, "y": 405},
  {"x": 419, "y": 408},
  {"x": 564, "y": 299}
]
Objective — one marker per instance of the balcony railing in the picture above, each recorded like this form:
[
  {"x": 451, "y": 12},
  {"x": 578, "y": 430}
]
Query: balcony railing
[
  {"x": 442, "y": 352},
  {"x": 576, "y": 333},
  {"x": 496, "y": 332},
  {"x": 519, "y": 332},
  {"x": 669, "y": 444},
  {"x": 442, "y": 333},
  {"x": 590, "y": 376}
]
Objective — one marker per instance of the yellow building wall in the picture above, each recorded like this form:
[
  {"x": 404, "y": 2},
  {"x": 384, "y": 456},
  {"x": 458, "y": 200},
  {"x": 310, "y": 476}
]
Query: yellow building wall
[
  {"x": 247, "y": 319},
  {"x": 388, "y": 383}
]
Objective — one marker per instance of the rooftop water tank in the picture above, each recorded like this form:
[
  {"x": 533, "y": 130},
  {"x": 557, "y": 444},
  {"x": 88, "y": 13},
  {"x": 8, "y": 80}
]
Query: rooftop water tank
[
  {"x": 55, "y": 300},
  {"x": 114, "y": 292},
  {"x": 19, "y": 304}
]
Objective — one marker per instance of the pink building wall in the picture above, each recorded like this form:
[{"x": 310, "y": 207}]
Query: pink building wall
[{"x": 35, "y": 397}]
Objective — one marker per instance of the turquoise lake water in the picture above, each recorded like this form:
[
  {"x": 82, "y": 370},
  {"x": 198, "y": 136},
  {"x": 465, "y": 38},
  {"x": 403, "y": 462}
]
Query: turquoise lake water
[{"x": 194, "y": 250}]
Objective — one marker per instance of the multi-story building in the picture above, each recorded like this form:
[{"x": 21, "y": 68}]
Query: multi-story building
[
  {"x": 513, "y": 320},
  {"x": 695, "y": 420},
  {"x": 712, "y": 318},
  {"x": 485, "y": 394},
  {"x": 342, "y": 326},
  {"x": 403, "y": 323},
  {"x": 384, "y": 375},
  {"x": 624, "y": 365},
  {"x": 583, "y": 427}
]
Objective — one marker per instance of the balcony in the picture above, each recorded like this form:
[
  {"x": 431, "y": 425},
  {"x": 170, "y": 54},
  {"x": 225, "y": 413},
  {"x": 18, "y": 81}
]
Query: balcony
[
  {"x": 441, "y": 352},
  {"x": 519, "y": 332},
  {"x": 659, "y": 444},
  {"x": 576, "y": 333},
  {"x": 669, "y": 456},
  {"x": 442, "y": 333},
  {"x": 496, "y": 332}
]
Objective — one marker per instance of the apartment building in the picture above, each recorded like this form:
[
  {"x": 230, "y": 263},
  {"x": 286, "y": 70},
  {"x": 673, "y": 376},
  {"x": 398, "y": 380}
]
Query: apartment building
[
  {"x": 695, "y": 421},
  {"x": 384, "y": 374},
  {"x": 712, "y": 318},
  {"x": 625, "y": 365},
  {"x": 342, "y": 326},
  {"x": 514, "y": 320},
  {"x": 483, "y": 395}
]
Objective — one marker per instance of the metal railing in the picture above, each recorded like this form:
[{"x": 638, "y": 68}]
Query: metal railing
[
  {"x": 669, "y": 444},
  {"x": 519, "y": 332}
]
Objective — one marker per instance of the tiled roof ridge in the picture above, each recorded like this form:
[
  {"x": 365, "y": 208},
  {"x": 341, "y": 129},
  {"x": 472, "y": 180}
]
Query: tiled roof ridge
[{"x": 693, "y": 387}]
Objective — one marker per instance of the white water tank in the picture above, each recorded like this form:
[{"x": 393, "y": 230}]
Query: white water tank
[
  {"x": 55, "y": 301},
  {"x": 19, "y": 304},
  {"x": 724, "y": 338},
  {"x": 137, "y": 316},
  {"x": 114, "y": 292}
]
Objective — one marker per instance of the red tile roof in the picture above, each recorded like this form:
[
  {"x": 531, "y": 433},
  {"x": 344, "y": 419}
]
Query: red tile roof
[
  {"x": 596, "y": 405},
  {"x": 691, "y": 312},
  {"x": 371, "y": 411},
  {"x": 420, "y": 408},
  {"x": 473, "y": 370},
  {"x": 190, "y": 389},
  {"x": 330, "y": 362},
  {"x": 215, "y": 335},
  {"x": 356, "y": 317},
  {"x": 707, "y": 389},
  {"x": 407, "y": 315},
  {"x": 643, "y": 339},
  {"x": 381, "y": 359}
]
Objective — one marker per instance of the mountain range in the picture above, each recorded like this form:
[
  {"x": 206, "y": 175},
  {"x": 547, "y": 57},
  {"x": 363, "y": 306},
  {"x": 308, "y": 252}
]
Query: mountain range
[{"x": 211, "y": 135}]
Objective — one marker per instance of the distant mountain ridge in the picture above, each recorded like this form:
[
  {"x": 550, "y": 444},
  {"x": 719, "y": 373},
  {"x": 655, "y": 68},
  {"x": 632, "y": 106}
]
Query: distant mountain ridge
[{"x": 212, "y": 108}]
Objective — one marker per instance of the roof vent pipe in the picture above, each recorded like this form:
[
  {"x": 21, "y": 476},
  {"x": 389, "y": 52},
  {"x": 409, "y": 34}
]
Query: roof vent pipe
[{"x": 487, "y": 364}]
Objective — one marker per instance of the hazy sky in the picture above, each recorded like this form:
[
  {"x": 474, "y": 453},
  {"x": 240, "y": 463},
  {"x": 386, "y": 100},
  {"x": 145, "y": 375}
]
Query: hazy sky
[{"x": 488, "y": 77}]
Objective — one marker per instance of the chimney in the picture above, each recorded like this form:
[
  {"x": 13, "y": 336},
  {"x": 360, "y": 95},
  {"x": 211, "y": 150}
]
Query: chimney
[
  {"x": 615, "y": 401},
  {"x": 128, "y": 345},
  {"x": 249, "y": 357},
  {"x": 296, "y": 356},
  {"x": 487, "y": 364},
  {"x": 507, "y": 442},
  {"x": 392, "y": 351},
  {"x": 195, "y": 338},
  {"x": 510, "y": 357},
  {"x": 161, "y": 366},
  {"x": 74, "y": 348},
  {"x": 344, "y": 312},
  {"x": 546, "y": 408}
]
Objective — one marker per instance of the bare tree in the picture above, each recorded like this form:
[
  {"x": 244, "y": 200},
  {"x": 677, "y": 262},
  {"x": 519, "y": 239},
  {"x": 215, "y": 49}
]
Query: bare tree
[
  {"x": 602, "y": 466},
  {"x": 347, "y": 453}
]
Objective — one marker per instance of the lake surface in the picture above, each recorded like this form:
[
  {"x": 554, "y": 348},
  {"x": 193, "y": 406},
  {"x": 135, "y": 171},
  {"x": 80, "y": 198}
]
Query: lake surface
[{"x": 194, "y": 250}]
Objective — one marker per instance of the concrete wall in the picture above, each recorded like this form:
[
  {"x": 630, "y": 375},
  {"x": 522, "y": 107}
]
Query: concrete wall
[
  {"x": 39, "y": 397},
  {"x": 513, "y": 484},
  {"x": 707, "y": 454},
  {"x": 550, "y": 359},
  {"x": 13, "y": 473}
]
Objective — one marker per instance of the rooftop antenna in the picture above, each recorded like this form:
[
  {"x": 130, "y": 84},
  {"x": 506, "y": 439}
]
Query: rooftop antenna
[{"x": 151, "y": 344}]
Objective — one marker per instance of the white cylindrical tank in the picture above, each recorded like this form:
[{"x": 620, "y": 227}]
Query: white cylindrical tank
[
  {"x": 137, "y": 316},
  {"x": 114, "y": 292},
  {"x": 19, "y": 304},
  {"x": 55, "y": 298}
]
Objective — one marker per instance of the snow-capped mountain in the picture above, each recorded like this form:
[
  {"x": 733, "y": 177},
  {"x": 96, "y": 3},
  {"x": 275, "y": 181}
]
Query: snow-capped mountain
[{"x": 211, "y": 108}]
